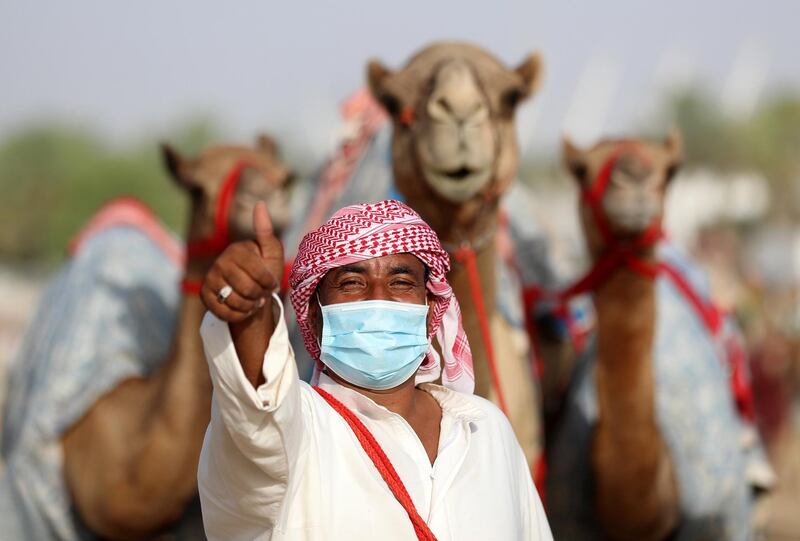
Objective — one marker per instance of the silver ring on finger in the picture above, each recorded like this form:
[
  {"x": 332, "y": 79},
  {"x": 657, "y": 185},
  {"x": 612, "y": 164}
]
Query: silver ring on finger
[{"x": 224, "y": 293}]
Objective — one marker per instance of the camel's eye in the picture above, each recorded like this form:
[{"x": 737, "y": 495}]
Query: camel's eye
[
  {"x": 391, "y": 104},
  {"x": 672, "y": 170},
  {"x": 511, "y": 99},
  {"x": 579, "y": 171},
  {"x": 195, "y": 191}
]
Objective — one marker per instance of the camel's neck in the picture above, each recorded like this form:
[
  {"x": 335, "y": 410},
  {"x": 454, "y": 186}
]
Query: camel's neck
[
  {"x": 464, "y": 291},
  {"x": 485, "y": 260},
  {"x": 185, "y": 381},
  {"x": 187, "y": 362},
  {"x": 626, "y": 317},
  {"x": 635, "y": 490},
  {"x": 188, "y": 359},
  {"x": 474, "y": 222}
]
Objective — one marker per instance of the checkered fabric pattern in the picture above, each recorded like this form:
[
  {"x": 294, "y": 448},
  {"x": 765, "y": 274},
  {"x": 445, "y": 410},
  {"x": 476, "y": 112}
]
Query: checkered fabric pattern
[{"x": 361, "y": 232}]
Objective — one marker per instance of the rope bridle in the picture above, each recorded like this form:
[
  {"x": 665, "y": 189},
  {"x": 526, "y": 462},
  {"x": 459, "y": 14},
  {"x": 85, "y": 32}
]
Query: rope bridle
[
  {"x": 219, "y": 239},
  {"x": 617, "y": 252},
  {"x": 625, "y": 253}
]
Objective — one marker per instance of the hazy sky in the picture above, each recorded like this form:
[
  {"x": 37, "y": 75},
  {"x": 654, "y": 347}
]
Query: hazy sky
[{"x": 130, "y": 69}]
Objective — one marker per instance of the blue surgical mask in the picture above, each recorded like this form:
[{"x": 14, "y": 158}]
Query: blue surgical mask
[{"x": 374, "y": 344}]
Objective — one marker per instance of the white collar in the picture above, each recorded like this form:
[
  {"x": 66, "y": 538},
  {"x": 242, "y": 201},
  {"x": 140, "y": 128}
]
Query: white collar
[{"x": 452, "y": 402}]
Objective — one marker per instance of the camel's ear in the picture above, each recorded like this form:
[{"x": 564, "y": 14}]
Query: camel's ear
[
  {"x": 673, "y": 145},
  {"x": 574, "y": 160},
  {"x": 377, "y": 76},
  {"x": 530, "y": 71},
  {"x": 266, "y": 145},
  {"x": 176, "y": 164}
]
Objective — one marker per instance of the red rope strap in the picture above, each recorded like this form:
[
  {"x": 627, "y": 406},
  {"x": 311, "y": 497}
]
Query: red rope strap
[
  {"x": 220, "y": 238},
  {"x": 593, "y": 194},
  {"x": 382, "y": 463},
  {"x": 466, "y": 256},
  {"x": 706, "y": 311},
  {"x": 215, "y": 243},
  {"x": 407, "y": 116},
  {"x": 191, "y": 287}
]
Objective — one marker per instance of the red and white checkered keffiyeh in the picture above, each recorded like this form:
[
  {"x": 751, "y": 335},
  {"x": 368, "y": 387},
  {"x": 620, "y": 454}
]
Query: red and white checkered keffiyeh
[{"x": 361, "y": 232}]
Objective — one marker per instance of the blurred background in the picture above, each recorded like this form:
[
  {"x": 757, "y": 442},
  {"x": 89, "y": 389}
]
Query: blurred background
[{"x": 90, "y": 87}]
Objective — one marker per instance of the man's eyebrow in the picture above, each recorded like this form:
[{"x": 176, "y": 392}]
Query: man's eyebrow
[
  {"x": 401, "y": 269},
  {"x": 351, "y": 268}
]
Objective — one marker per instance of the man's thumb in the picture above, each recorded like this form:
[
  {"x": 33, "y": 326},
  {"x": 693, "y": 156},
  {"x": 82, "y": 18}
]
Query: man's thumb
[{"x": 262, "y": 225}]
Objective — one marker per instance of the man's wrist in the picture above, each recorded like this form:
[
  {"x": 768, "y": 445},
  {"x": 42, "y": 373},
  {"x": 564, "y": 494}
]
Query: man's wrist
[{"x": 251, "y": 339}]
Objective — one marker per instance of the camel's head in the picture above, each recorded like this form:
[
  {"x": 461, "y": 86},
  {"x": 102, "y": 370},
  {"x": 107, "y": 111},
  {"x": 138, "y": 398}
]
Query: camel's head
[
  {"x": 453, "y": 108},
  {"x": 260, "y": 174},
  {"x": 625, "y": 181}
]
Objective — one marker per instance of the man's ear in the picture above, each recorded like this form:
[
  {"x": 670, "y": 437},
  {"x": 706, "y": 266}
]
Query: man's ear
[
  {"x": 315, "y": 316},
  {"x": 431, "y": 298}
]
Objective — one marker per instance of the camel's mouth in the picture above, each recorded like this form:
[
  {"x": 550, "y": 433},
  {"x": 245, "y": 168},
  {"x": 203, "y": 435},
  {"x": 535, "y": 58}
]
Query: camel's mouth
[
  {"x": 459, "y": 184},
  {"x": 633, "y": 223},
  {"x": 632, "y": 217},
  {"x": 458, "y": 174}
]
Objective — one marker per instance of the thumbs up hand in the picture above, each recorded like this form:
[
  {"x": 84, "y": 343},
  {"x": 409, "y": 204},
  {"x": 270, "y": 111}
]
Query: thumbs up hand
[
  {"x": 244, "y": 276},
  {"x": 269, "y": 245}
]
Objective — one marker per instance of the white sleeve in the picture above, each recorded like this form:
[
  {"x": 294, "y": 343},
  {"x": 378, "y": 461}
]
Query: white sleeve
[
  {"x": 535, "y": 518},
  {"x": 540, "y": 528},
  {"x": 254, "y": 438}
]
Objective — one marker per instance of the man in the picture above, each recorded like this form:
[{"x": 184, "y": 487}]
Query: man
[{"x": 375, "y": 450}]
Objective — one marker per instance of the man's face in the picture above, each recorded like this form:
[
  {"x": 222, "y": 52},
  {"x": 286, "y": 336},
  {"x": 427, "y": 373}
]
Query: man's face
[{"x": 398, "y": 277}]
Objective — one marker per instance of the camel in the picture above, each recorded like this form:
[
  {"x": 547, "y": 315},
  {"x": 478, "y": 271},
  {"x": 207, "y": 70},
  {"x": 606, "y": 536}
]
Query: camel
[
  {"x": 633, "y": 459},
  {"x": 129, "y": 452},
  {"x": 637, "y": 498},
  {"x": 454, "y": 153}
]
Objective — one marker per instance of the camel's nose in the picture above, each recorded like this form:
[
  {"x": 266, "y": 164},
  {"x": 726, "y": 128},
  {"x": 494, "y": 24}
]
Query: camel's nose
[{"x": 456, "y": 96}]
